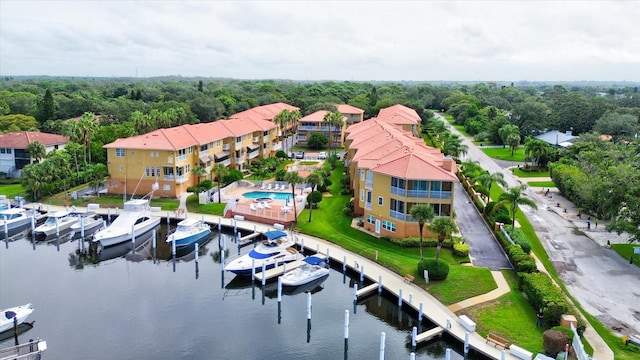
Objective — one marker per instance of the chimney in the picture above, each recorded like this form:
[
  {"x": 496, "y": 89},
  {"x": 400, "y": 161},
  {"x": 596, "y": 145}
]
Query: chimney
[{"x": 447, "y": 163}]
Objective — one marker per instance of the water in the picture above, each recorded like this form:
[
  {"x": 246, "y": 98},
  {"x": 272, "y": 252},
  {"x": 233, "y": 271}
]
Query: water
[
  {"x": 267, "y": 195},
  {"x": 121, "y": 306}
]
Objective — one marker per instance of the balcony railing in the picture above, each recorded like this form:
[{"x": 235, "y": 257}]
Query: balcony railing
[
  {"x": 367, "y": 206},
  {"x": 182, "y": 179},
  {"x": 169, "y": 177},
  {"x": 226, "y": 147},
  {"x": 397, "y": 215},
  {"x": 440, "y": 194},
  {"x": 181, "y": 158},
  {"x": 225, "y": 162},
  {"x": 418, "y": 193},
  {"x": 369, "y": 184},
  {"x": 254, "y": 154},
  {"x": 397, "y": 191}
]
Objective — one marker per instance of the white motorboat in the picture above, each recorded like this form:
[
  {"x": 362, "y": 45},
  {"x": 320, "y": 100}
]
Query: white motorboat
[
  {"x": 14, "y": 219},
  {"x": 277, "y": 249},
  {"x": 188, "y": 232},
  {"x": 19, "y": 312},
  {"x": 313, "y": 269},
  {"x": 58, "y": 221},
  {"x": 90, "y": 221},
  {"x": 134, "y": 218}
]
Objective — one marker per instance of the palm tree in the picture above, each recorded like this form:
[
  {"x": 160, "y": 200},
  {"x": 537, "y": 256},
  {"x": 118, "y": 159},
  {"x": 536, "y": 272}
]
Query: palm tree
[
  {"x": 315, "y": 180},
  {"x": 282, "y": 120},
  {"x": 443, "y": 227},
  {"x": 294, "y": 117},
  {"x": 96, "y": 174},
  {"x": 36, "y": 150},
  {"x": 293, "y": 179},
  {"x": 513, "y": 197},
  {"x": 220, "y": 172},
  {"x": 261, "y": 173},
  {"x": 199, "y": 171},
  {"x": 510, "y": 135},
  {"x": 487, "y": 179},
  {"x": 71, "y": 129},
  {"x": 452, "y": 145},
  {"x": 333, "y": 119},
  {"x": 422, "y": 213},
  {"x": 87, "y": 126},
  {"x": 536, "y": 149}
]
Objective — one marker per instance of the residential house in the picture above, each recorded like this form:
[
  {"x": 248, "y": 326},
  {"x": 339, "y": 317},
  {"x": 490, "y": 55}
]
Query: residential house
[
  {"x": 314, "y": 123},
  {"x": 403, "y": 116},
  {"x": 13, "y": 149},
  {"x": 351, "y": 113},
  {"x": 391, "y": 171},
  {"x": 168, "y": 156},
  {"x": 268, "y": 113},
  {"x": 557, "y": 138}
]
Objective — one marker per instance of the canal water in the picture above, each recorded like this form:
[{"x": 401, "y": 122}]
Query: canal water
[{"x": 124, "y": 304}]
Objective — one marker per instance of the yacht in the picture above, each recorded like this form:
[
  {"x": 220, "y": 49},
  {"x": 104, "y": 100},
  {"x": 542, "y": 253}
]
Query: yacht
[
  {"x": 58, "y": 221},
  {"x": 276, "y": 249},
  {"x": 313, "y": 269},
  {"x": 19, "y": 312},
  {"x": 188, "y": 232},
  {"x": 90, "y": 221},
  {"x": 134, "y": 218},
  {"x": 14, "y": 219}
]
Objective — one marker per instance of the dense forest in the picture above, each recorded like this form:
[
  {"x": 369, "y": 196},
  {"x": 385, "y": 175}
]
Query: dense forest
[{"x": 601, "y": 176}]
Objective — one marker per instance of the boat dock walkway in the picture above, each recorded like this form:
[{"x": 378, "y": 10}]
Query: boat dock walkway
[
  {"x": 30, "y": 350},
  {"x": 429, "y": 334},
  {"x": 411, "y": 294}
]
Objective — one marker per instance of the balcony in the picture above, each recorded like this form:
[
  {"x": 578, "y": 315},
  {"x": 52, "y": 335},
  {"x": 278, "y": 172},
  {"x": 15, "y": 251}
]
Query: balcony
[
  {"x": 277, "y": 146},
  {"x": 367, "y": 206},
  {"x": 369, "y": 184},
  {"x": 226, "y": 147},
  {"x": 397, "y": 215},
  {"x": 440, "y": 194},
  {"x": 418, "y": 193},
  {"x": 240, "y": 159},
  {"x": 397, "y": 191},
  {"x": 254, "y": 154},
  {"x": 256, "y": 140},
  {"x": 180, "y": 158},
  {"x": 265, "y": 139},
  {"x": 169, "y": 178},
  {"x": 182, "y": 179},
  {"x": 225, "y": 162}
]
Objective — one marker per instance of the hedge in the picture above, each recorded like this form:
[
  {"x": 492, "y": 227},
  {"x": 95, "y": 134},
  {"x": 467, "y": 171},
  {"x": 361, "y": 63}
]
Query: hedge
[
  {"x": 543, "y": 294},
  {"x": 522, "y": 261},
  {"x": 460, "y": 250},
  {"x": 438, "y": 270}
]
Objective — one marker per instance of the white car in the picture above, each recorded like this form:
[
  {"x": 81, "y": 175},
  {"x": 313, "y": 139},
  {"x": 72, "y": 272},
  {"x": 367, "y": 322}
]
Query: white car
[{"x": 322, "y": 155}]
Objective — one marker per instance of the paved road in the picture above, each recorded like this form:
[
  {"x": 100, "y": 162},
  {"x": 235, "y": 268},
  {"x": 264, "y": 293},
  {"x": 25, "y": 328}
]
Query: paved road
[
  {"x": 603, "y": 283},
  {"x": 485, "y": 250}
]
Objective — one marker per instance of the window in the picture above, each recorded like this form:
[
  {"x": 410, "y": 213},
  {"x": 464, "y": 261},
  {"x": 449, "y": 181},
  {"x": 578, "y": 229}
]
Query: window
[
  {"x": 388, "y": 225},
  {"x": 399, "y": 183},
  {"x": 361, "y": 175},
  {"x": 371, "y": 219},
  {"x": 120, "y": 152},
  {"x": 187, "y": 169},
  {"x": 204, "y": 147},
  {"x": 361, "y": 195},
  {"x": 166, "y": 187},
  {"x": 419, "y": 185},
  {"x": 147, "y": 171},
  {"x": 397, "y": 205},
  {"x": 158, "y": 171},
  {"x": 369, "y": 196},
  {"x": 238, "y": 139},
  {"x": 435, "y": 185},
  {"x": 168, "y": 171},
  {"x": 380, "y": 200},
  {"x": 218, "y": 143},
  {"x": 155, "y": 154},
  {"x": 6, "y": 151}
]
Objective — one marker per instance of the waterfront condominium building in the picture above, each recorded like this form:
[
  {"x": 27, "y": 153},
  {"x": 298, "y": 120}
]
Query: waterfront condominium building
[{"x": 391, "y": 171}]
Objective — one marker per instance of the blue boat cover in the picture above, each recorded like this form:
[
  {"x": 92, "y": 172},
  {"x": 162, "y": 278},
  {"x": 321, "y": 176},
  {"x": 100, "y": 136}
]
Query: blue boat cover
[
  {"x": 313, "y": 260},
  {"x": 275, "y": 234},
  {"x": 256, "y": 255},
  {"x": 9, "y": 314}
]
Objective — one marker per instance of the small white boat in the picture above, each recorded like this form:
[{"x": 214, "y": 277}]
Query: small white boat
[
  {"x": 19, "y": 312},
  {"x": 14, "y": 219},
  {"x": 60, "y": 220},
  {"x": 313, "y": 269},
  {"x": 188, "y": 232},
  {"x": 277, "y": 249},
  {"x": 135, "y": 217},
  {"x": 89, "y": 220}
]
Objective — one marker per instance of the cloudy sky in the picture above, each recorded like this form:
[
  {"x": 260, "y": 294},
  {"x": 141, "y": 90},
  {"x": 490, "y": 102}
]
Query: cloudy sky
[{"x": 324, "y": 40}]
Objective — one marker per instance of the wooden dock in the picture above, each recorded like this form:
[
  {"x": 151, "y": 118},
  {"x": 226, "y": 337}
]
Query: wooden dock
[
  {"x": 278, "y": 270},
  {"x": 246, "y": 240},
  {"x": 30, "y": 350},
  {"x": 429, "y": 334}
]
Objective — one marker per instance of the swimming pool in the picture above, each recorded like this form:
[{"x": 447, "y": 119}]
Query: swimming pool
[{"x": 267, "y": 194}]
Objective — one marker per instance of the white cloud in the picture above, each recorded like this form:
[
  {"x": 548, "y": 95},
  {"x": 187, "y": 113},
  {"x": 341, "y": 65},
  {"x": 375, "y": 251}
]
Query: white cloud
[{"x": 323, "y": 40}]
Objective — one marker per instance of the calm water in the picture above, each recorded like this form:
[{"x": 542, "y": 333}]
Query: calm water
[
  {"x": 125, "y": 306},
  {"x": 267, "y": 194}
]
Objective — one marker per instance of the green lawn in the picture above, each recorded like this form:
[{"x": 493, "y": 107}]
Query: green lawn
[
  {"x": 330, "y": 223},
  {"x": 626, "y": 251},
  {"x": 12, "y": 190},
  {"x": 504, "y": 153},
  {"x": 211, "y": 209},
  {"x": 546, "y": 184},
  {"x": 529, "y": 174}
]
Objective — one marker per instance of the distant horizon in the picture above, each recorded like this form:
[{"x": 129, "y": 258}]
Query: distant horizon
[{"x": 196, "y": 77}]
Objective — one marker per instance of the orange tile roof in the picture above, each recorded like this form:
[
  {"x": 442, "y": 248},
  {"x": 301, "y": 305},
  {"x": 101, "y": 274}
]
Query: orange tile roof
[
  {"x": 162, "y": 139},
  {"x": 348, "y": 109},
  {"x": 264, "y": 112},
  {"x": 413, "y": 166},
  {"x": 22, "y": 139},
  {"x": 399, "y": 114},
  {"x": 317, "y": 116}
]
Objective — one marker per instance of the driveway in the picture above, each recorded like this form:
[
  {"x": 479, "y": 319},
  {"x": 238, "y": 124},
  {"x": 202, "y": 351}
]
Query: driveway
[{"x": 606, "y": 286}]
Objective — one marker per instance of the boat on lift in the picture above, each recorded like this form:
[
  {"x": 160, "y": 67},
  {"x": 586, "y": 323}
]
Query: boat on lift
[{"x": 276, "y": 249}]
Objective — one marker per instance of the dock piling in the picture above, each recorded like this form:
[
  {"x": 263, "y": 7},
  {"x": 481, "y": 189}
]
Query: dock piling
[
  {"x": 109, "y": 214},
  {"x": 379, "y": 283},
  {"x": 382, "y": 341},
  {"x": 279, "y": 290},
  {"x": 355, "y": 292},
  {"x": 412, "y": 356},
  {"x": 264, "y": 278},
  {"x": 447, "y": 354},
  {"x": 309, "y": 305},
  {"x": 361, "y": 273},
  {"x": 344, "y": 264},
  {"x": 466, "y": 343},
  {"x": 253, "y": 269},
  {"x": 410, "y": 298},
  {"x": 400, "y": 298},
  {"x": 153, "y": 245},
  {"x": 196, "y": 252},
  {"x": 448, "y": 324},
  {"x": 420, "y": 313},
  {"x": 82, "y": 228},
  {"x": 57, "y": 228}
]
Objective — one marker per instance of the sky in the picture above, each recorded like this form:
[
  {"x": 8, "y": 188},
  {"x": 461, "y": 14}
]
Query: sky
[{"x": 324, "y": 40}]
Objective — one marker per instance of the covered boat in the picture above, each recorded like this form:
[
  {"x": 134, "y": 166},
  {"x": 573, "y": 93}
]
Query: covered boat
[
  {"x": 19, "y": 312},
  {"x": 276, "y": 249},
  {"x": 313, "y": 269}
]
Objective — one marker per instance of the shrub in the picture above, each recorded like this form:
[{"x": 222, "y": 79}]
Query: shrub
[
  {"x": 281, "y": 154},
  {"x": 234, "y": 175},
  {"x": 522, "y": 261},
  {"x": 519, "y": 238},
  {"x": 565, "y": 330},
  {"x": 542, "y": 294},
  {"x": 360, "y": 223},
  {"x": 460, "y": 250},
  {"x": 553, "y": 342},
  {"x": 438, "y": 270},
  {"x": 406, "y": 242}
]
